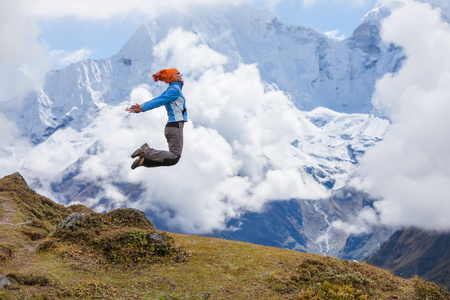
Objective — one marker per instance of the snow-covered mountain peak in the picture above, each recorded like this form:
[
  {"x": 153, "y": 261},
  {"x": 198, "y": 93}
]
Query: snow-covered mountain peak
[
  {"x": 313, "y": 69},
  {"x": 383, "y": 8}
]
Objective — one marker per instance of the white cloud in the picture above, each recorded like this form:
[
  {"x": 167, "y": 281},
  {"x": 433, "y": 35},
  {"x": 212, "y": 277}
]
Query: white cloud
[
  {"x": 235, "y": 158},
  {"x": 64, "y": 57},
  {"x": 410, "y": 169},
  {"x": 22, "y": 57},
  {"x": 100, "y": 10},
  {"x": 309, "y": 3},
  {"x": 237, "y": 154},
  {"x": 242, "y": 160},
  {"x": 21, "y": 68},
  {"x": 269, "y": 4},
  {"x": 335, "y": 34},
  {"x": 12, "y": 147},
  {"x": 362, "y": 223},
  {"x": 179, "y": 43}
]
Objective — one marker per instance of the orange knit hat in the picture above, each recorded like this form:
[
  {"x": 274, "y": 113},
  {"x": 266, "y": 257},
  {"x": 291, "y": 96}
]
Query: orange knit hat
[{"x": 166, "y": 75}]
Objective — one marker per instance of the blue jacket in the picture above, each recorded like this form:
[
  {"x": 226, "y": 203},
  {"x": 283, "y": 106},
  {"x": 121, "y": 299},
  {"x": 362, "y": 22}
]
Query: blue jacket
[{"x": 173, "y": 100}]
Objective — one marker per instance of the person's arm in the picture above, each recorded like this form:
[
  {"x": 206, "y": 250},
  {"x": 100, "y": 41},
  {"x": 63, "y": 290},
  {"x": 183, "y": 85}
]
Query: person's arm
[{"x": 171, "y": 94}]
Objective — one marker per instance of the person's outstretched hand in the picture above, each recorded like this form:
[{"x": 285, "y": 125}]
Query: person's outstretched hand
[{"x": 135, "y": 108}]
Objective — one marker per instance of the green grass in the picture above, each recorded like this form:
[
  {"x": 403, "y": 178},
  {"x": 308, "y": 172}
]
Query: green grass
[{"x": 112, "y": 256}]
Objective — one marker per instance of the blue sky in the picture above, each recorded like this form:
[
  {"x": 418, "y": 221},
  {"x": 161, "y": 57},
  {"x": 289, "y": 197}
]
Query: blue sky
[
  {"x": 325, "y": 15},
  {"x": 73, "y": 36}
]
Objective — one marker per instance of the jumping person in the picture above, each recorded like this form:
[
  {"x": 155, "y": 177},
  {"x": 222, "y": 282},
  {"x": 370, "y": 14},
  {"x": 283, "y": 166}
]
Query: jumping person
[{"x": 175, "y": 104}]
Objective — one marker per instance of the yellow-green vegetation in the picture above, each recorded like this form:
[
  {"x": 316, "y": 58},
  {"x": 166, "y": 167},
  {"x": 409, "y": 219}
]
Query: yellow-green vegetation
[
  {"x": 119, "y": 236},
  {"x": 39, "y": 213},
  {"x": 5, "y": 254},
  {"x": 120, "y": 255}
]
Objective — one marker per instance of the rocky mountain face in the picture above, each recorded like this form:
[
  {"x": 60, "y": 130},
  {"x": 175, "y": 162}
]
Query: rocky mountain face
[
  {"x": 412, "y": 251},
  {"x": 314, "y": 70},
  {"x": 306, "y": 226}
]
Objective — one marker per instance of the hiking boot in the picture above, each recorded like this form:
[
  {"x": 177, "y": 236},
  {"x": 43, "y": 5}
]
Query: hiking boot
[
  {"x": 137, "y": 163},
  {"x": 139, "y": 151}
]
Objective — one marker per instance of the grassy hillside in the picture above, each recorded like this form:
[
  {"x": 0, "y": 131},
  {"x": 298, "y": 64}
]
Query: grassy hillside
[{"x": 120, "y": 255}]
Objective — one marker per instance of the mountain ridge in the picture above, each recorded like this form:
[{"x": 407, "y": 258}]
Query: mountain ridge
[
  {"x": 331, "y": 79},
  {"x": 413, "y": 251}
]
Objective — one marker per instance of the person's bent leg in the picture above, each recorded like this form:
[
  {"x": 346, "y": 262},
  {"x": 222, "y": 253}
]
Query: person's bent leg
[{"x": 158, "y": 158}]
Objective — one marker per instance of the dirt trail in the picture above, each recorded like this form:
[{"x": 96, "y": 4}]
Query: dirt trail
[
  {"x": 8, "y": 222},
  {"x": 8, "y": 211}
]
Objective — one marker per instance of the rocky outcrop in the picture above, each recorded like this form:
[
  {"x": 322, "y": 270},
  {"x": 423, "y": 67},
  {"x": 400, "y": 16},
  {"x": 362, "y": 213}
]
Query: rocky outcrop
[{"x": 4, "y": 281}]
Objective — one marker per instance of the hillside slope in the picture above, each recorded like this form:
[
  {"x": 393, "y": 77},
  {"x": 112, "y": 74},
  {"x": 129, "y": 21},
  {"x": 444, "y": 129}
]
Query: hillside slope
[
  {"x": 211, "y": 268},
  {"x": 414, "y": 251}
]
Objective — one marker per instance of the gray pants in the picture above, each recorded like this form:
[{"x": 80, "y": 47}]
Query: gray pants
[{"x": 174, "y": 137}]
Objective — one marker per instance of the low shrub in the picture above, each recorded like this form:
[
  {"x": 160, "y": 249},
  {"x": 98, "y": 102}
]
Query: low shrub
[
  {"x": 5, "y": 254},
  {"x": 120, "y": 236},
  {"x": 29, "y": 279}
]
